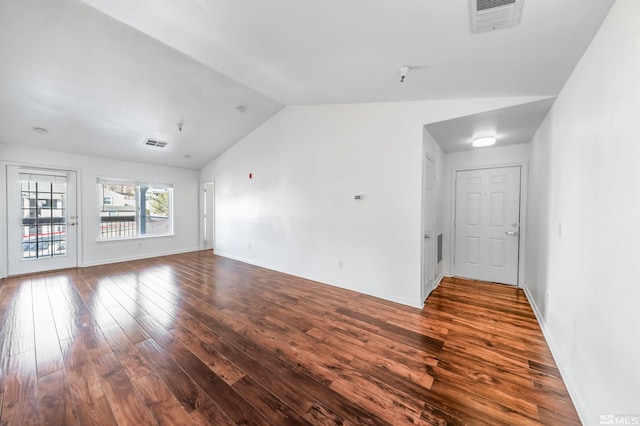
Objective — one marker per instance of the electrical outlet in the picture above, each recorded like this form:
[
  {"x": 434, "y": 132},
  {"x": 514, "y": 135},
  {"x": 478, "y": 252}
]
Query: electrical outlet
[
  {"x": 249, "y": 246},
  {"x": 340, "y": 264}
]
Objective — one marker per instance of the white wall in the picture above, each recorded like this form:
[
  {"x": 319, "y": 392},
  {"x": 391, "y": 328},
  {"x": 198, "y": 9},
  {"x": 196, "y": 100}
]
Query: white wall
[
  {"x": 512, "y": 155},
  {"x": 583, "y": 281},
  {"x": 93, "y": 252},
  {"x": 298, "y": 214}
]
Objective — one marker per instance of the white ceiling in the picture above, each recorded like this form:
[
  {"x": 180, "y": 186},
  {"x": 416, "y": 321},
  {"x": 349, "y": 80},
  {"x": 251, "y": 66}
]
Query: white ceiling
[
  {"x": 101, "y": 80},
  {"x": 511, "y": 126},
  {"x": 343, "y": 51},
  {"x": 101, "y": 87}
]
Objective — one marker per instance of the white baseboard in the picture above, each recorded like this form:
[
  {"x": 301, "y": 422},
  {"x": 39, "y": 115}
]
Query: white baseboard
[
  {"x": 144, "y": 256},
  {"x": 571, "y": 387},
  {"x": 390, "y": 298}
]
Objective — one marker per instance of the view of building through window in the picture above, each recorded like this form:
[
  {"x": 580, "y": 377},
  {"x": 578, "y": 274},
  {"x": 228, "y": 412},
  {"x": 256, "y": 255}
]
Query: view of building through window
[
  {"x": 130, "y": 210},
  {"x": 43, "y": 216}
]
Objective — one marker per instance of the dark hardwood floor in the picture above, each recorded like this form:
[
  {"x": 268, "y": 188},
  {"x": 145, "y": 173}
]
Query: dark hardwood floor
[{"x": 201, "y": 339}]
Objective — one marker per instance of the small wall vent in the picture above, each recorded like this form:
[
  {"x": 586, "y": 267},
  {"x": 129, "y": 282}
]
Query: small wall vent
[
  {"x": 487, "y": 15},
  {"x": 155, "y": 143}
]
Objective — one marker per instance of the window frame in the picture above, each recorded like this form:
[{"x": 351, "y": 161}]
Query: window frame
[{"x": 141, "y": 188}]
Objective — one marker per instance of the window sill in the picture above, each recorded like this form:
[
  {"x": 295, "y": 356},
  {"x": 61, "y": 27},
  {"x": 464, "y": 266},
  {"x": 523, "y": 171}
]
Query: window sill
[{"x": 138, "y": 237}]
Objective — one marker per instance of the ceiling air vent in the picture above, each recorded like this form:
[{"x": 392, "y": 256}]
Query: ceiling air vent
[
  {"x": 489, "y": 15},
  {"x": 157, "y": 144}
]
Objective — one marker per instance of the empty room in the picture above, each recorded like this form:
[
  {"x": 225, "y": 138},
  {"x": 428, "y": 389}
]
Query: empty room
[{"x": 272, "y": 212}]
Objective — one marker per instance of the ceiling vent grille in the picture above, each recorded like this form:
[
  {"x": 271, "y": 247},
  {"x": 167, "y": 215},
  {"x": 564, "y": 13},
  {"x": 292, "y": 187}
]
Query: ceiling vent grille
[
  {"x": 491, "y": 4},
  {"x": 154, "y": 143},
  {"x": 487, "y": 15}
]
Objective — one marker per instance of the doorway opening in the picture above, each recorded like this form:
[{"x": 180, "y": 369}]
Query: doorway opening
[
  {"x": 42, "y": 220},
  {"x": 208, "y": 215}
]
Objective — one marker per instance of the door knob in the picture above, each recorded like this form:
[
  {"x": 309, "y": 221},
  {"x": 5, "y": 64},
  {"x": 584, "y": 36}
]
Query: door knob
[
  {"x": 427, "y": 236},
  {"x": 511, "y": 232}
]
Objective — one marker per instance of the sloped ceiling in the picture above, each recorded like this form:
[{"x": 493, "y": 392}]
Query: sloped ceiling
[
  {"x": 344, "y": 51},
  {"x": 103, "y": 75},
  {"x": 511, "y": 126},
  {"x": 101, "y": 87}
]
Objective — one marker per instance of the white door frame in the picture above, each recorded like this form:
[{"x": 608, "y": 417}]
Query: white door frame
[
  {"x": 524, "y": 184},
  {"x": 4, "y": 248}
]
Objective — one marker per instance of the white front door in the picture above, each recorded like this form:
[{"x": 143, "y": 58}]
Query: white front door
[
  {"x": 42, "y": 220},
  {"x": 428, "y": 220},
  {"x": 487, "y": 224}
]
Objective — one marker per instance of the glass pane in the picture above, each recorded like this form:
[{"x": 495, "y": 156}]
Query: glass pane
[
  {"x": 43, "y": 217},
  {"x": 59, "y": 188},
  {"x": 157, "y": 210},
  {"x": 118, "y": 214}
]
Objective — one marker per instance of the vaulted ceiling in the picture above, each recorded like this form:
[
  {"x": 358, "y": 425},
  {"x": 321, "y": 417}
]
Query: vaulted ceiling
[{"x": 103, "y": 75}]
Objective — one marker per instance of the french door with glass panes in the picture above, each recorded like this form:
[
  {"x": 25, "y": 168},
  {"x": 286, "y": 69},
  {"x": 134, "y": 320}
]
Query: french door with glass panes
[{"x": 42, "y": 220}]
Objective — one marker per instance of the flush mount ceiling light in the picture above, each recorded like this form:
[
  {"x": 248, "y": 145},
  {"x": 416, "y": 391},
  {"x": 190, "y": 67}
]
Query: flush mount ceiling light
[{"x": 484, "y": 141}]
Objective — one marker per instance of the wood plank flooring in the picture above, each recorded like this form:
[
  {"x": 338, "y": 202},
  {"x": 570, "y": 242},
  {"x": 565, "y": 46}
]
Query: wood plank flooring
[{"x": 200, "y": 339}]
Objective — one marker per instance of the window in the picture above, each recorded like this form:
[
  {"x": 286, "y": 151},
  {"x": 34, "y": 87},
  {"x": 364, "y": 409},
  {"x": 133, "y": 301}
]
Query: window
[{"x": 134, "y": 209}]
